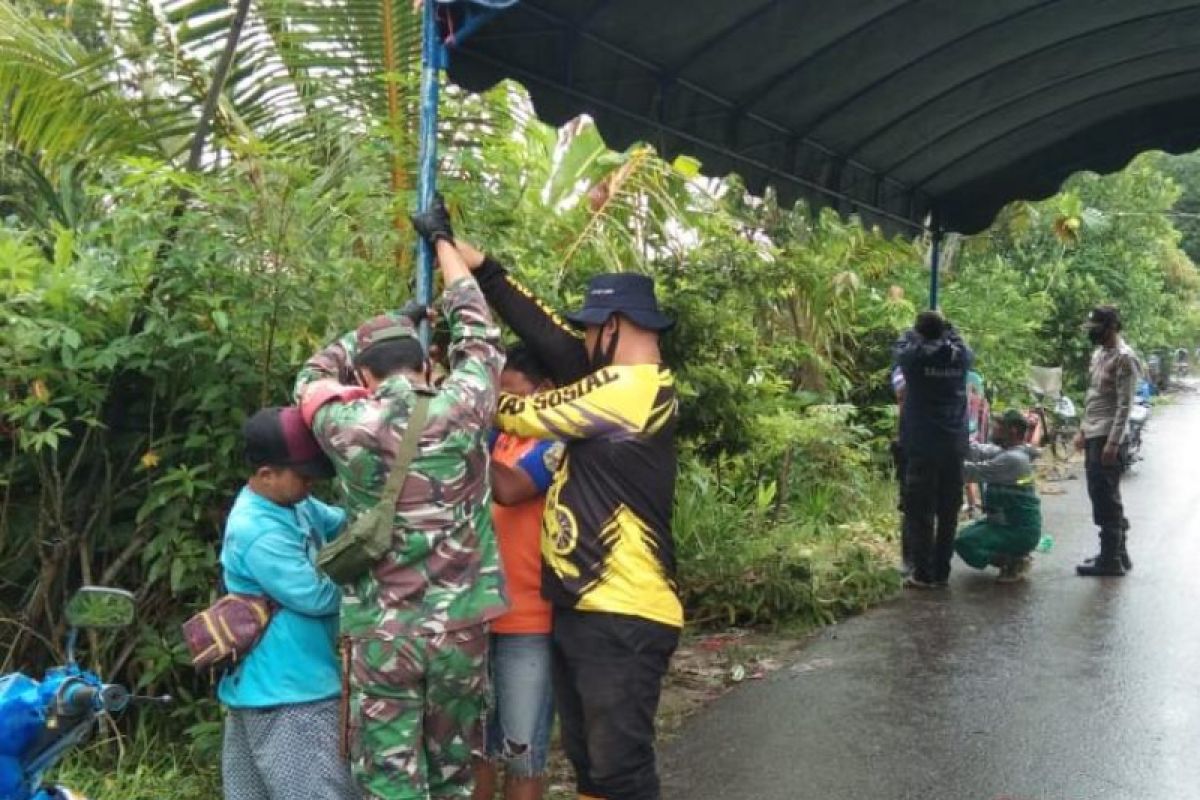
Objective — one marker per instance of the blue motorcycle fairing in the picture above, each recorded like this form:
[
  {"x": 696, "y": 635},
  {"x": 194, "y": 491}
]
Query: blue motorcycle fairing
[
  {"x": 25, "y": 706},
  {"x": 21, "y": 720},
  {"x": 20, "y": 713}
]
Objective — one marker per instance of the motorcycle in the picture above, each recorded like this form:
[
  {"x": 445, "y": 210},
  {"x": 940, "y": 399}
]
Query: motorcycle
[
  {"x": 40, "y": 722},
  {"x": 1139, "y": 415},
  {"x": 1054, "y": 418}
]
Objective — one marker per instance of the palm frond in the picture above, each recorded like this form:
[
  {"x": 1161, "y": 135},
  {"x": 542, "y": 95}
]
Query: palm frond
[{"x": 62, "y": 101}]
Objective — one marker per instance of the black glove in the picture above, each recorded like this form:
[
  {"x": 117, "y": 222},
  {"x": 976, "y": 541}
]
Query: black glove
[
  {"x": 434, "y": 224},
  {"x": 415, "y": 311}
]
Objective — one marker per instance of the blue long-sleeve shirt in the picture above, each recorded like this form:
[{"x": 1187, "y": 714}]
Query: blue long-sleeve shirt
[
  {"x": 935, "y": 402},
  {"x": 271, "y": 550}
]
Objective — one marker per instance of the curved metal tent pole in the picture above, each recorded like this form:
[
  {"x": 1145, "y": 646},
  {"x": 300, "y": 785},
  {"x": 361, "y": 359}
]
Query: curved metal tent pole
[{"x": 434, "y": 59}]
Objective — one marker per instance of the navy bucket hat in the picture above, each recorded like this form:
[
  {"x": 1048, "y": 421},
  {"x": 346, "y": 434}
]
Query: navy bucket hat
[{"x": 622, "y": 293}]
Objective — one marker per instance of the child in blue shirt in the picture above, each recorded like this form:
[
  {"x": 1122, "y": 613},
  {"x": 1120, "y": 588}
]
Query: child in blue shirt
[{"x": 282, "y": 729}]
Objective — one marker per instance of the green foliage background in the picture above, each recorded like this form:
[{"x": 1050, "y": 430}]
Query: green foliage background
[{"x": 149, "y": 308}]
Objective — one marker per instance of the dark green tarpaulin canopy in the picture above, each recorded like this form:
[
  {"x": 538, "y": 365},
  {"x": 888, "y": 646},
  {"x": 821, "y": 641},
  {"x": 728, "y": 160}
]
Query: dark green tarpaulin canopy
[{"x": 891, "y": 109}]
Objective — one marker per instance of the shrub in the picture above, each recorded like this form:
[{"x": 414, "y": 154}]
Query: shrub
[{"x": 806, "y": 542}]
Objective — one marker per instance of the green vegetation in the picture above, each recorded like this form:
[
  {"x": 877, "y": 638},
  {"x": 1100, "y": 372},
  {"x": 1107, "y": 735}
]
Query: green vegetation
[
  {"x": 152, "y": 300},
  {"x": 108, "y": 769},
  {"x": 101, "y": 608}
]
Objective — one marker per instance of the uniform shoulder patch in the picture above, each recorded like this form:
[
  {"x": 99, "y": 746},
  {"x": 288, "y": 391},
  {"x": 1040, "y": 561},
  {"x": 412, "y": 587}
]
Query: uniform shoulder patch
[{"x": 552, "y": 458}]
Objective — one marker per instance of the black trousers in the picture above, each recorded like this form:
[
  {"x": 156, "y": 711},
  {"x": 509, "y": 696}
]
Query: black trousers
[
  {"x": 900, "y": 464},
  {"x": 1104, "y": 490},
  {"x": 608, "y": 672},
  {"x": 933, "y": 492}
]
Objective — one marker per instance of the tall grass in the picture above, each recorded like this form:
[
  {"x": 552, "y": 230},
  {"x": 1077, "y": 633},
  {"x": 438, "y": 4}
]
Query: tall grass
[{"x": 142, "y": 768}]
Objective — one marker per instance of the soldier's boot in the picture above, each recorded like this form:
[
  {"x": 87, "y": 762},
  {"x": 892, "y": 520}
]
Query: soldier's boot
[
  {"x": 1123, "y": 551},
  {"x": 1108, "y": 563},
  {"x": 1126, "y": 562}
]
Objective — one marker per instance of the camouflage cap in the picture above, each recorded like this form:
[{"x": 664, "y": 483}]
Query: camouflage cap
[{"x": 382, "y": 328}]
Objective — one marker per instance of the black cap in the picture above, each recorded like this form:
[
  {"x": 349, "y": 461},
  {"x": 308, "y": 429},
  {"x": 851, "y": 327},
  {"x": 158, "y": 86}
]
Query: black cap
[
  {"x": 626, "y": 294},
  {"x": 1014, "y": 419},
  {"x": 278, "y": 437},
  {"x": 1105, "y": 315}
]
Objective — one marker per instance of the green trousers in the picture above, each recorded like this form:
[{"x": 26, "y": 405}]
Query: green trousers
[
  {"x": 416, "y": 711},
  {"x": 980, "y": 541}
]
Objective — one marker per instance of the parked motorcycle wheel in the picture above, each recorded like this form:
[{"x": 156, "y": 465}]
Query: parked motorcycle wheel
[{"x": 1131, "y": 452}]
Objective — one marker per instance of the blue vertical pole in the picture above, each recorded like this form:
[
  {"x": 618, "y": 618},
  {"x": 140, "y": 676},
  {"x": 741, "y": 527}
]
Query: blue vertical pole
[
  {"x": 935, "y": 256},
  {"x": 433, "y": 58}
]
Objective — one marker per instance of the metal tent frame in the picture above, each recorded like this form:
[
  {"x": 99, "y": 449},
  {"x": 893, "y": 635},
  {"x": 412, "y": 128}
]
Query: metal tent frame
[{"x": 916, "y": 115}]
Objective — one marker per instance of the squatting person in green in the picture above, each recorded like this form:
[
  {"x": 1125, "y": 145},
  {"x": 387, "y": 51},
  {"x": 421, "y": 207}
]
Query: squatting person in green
[
  {"x": 415, "y": 626},
  {"x": 1012, "y": 526}
]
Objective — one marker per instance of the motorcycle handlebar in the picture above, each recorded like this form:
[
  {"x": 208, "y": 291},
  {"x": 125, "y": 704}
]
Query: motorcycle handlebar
[
  {"x": 82, "y": 698},
  {"x": 78, "y": 698}
]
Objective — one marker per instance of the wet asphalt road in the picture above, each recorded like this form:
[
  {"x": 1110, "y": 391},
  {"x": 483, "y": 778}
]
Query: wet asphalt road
[{"x": 1061, "y": 688}]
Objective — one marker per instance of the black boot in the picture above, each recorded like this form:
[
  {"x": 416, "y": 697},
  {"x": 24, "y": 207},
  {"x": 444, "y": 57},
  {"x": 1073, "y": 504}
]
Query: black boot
[
  {"x": 1123, "y": 557},
  {"x": 1095, "y": 568},
  {"x": 1108, "y": 563},
  {"x": 1122, "y": 553}
]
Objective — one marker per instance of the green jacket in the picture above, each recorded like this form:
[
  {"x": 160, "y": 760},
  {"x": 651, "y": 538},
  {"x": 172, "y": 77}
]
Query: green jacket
[
  {"x": 444, "y": 570},
  {"x": 1011, "y": 498}
]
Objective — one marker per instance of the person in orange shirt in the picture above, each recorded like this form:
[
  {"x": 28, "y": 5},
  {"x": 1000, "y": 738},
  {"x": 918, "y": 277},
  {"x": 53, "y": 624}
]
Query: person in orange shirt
[{"x": 518, "y": 729}]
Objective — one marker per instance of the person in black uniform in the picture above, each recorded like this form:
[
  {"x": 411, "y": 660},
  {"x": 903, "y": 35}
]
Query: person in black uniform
[{"x": 933, "y": 434}]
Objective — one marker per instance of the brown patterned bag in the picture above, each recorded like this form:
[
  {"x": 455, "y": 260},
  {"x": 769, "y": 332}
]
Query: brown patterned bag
[{"x": 223, "y": 633}]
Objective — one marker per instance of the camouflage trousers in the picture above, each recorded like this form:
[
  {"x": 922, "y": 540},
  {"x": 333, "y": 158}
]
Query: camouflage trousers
[{"x": 416, "y": 712}]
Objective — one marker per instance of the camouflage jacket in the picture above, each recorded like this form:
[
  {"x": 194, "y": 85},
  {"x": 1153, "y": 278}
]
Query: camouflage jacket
[{"x": 444, "y": 571}]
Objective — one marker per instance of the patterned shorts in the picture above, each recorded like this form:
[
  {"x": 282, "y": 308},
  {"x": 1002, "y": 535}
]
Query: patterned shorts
[
  {"x": 285, "y": 753},
  {"x": 416, "y": 713}
]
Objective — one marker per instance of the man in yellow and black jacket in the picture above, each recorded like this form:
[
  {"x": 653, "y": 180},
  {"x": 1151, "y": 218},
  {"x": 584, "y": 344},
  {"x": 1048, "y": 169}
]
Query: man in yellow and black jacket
[{"x": 608, "y": 554}]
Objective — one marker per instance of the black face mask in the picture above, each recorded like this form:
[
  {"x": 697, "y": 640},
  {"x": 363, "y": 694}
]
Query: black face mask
[
  {"x": 603, "y": 357},
  {"x": 1097, "y": 333}
]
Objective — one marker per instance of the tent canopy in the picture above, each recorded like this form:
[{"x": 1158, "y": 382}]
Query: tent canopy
[{"x": 892, "y": 109}]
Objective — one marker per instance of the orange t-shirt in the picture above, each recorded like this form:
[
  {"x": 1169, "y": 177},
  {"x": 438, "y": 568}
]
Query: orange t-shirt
[{"x": 519, "y": 531}]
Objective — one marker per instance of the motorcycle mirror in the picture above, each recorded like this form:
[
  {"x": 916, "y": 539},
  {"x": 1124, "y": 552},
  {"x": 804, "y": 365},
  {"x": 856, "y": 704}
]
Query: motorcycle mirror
[{"x": 101, "y": 607}]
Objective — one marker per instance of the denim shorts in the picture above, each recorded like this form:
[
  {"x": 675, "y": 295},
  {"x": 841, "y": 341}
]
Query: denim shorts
[{"x": 518, "y": 729}]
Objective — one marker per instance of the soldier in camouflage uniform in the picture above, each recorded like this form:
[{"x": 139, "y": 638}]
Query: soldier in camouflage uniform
[{"x": 416, "y": 625}]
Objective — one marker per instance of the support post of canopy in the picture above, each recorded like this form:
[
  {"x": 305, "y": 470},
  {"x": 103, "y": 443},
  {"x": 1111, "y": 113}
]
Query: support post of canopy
[
  {"x": 433, "y": 61},
  {"x": 935, "y": 257}
]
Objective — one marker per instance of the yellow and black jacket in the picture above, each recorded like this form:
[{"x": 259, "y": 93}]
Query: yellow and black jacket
[{"x": 606, "y": 533}]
